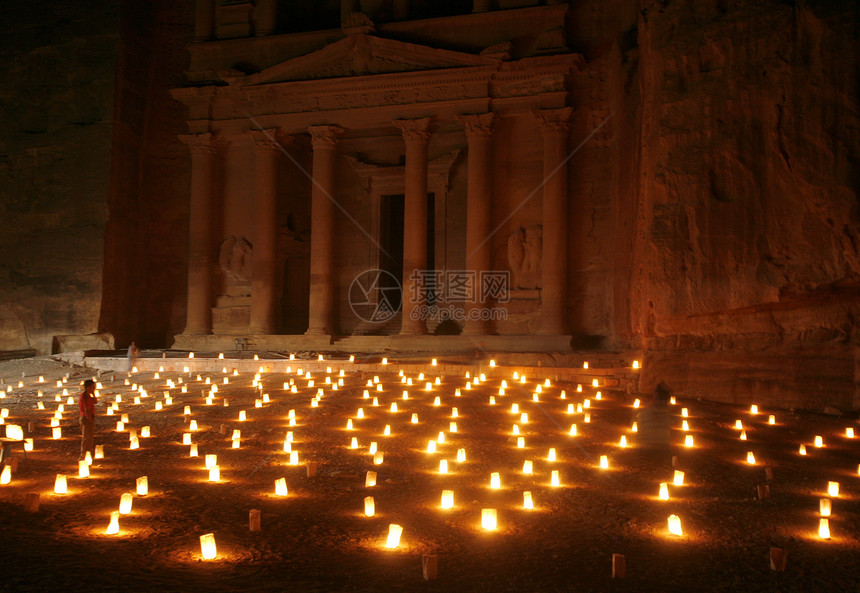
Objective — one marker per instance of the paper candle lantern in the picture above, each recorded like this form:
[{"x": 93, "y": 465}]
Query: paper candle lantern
[
  {"x": 750, "y": 458},
  {"x": 604, "y": 462},
  {"x": 664, "y": 491},
  {"x": 431, "y": 446},
  {"x": 6, "y": 474},
  {"x": 554, "y": 479},
  {"x": 13, "y": 431},
  {"x": 688, "y": 440},
  {"x": 144, "y": 432},
  {"x": 125, "y": 503},
  {"x": 372, "y": 448},
  {"x": 675, "y": 525},
  {"x": 489, "y": 519},
  {"x": 394, "y": 533},
  {"x": 113, "y": 526},
  {"x": 186, "y": 438},
  {"x": 495, "y": 480},
  {"x": 214, "y": 473},
  {"x": 521, "y": 442},
  {"x": 441, "y": 438},
  {"x": 353, "y": 444},
  {"x": 447, "y": 499},
  {"x": 802, "y": 449},
  {"x": 83, "y": 469},
  {"x": 753, "y": 409},
  {"x": 281, "y": 487},
  {"x": 369, "y": 506},
  {"x": 528, "y": 503},
  {"x": 443, "y": 466},
  {"x": 849, "y": 432},
  {"x": 207, "y": 546},
  {"x": 527, "y": 466},
  {"x": 771, "y": 419},
  {"x": 134, "y": 443},
  {"x": 28, "y": 444},
  {"x": 387, "y": 430},
  {"x": 294, "y": 457},
  {"x": 378, "y": 457},
  {"x": 192, "y": 425},
  {"x": 452, "y": 426},
  {"x": 60, "y": 484},
  {"x": 551, "y": 455},
  {"x": 572, "y": 431},
  {"x": 461, "y": 456},
  {"x": 370, "y": 479},
  {"x": 833, "y": 489},
  {"x": 743, "y": 436},
  {"x": 57, "y": 432},
  {"x": 824, "y": 507},
  {"x": 824, "y": 528},
  {"x": 679, "y": 478},
  {"x": 819, "y": 441},
  {"x": 684, "y": 412},
  {"x": 210, "y": 460},
  {"x": 142, "y": 485}
]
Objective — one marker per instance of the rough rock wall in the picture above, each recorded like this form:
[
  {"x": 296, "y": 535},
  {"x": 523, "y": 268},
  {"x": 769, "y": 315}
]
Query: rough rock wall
[
  {"x": 147, "y": 232},
  {"x": 746, "y": 259},
  {"x": 57, "y": 64}
]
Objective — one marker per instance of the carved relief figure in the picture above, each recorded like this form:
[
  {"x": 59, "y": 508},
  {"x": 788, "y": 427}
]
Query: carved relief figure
[
  {"x": 235, "y": 259},
  {"x": 524, "y": 256}
]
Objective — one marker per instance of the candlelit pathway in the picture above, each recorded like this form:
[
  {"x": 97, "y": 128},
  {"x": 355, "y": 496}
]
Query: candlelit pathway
[{"x": 318, "y": 538}]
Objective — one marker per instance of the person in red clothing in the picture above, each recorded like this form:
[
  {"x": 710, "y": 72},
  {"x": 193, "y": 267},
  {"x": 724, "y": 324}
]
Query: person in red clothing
[{"x": 87, "y": 404}]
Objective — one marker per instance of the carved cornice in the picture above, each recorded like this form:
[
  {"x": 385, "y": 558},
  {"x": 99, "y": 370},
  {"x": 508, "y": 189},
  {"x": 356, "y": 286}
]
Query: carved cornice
[
  {"x": 199, "y": 143},
  {"x": 554, "y": 120},
  {"x": 414, "y": 130},
  {"x": 477, "y": 126},
  {"x": 324, "y": 136}
]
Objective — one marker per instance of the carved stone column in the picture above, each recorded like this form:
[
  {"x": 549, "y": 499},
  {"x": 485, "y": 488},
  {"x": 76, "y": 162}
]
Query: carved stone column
[
  {"x": 204, "y": 20},
  {"x": 555, "y": 127},
  {"x": 198, "y": 316},
  {"x": 416, "y": 135},
  {"x": 479, "y": 134},
  {"x": 321, "y": 306},
  {"x": 265, "y": 232},
  {"x": 265, "y": 17}
]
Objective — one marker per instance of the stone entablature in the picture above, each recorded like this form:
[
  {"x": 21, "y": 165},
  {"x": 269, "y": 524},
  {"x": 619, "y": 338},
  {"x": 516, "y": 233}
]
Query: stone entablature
[{"x": 540, "y": 82}]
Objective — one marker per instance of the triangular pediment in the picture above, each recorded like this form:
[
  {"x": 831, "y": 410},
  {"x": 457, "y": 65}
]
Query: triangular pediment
[{"x": 361, "y": 55}]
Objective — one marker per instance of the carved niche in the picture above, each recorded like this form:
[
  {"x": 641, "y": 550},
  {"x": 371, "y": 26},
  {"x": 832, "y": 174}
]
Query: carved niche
[
  {"x": 525, "y": 246},
  {"x": 235, "y": 258}
]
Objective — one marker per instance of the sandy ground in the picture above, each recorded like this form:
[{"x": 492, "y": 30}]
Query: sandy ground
[{"x": 317, "y": 538}]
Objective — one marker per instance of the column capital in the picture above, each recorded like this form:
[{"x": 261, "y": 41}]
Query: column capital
[
  {"x": 554, "y": 120},
  {"x": 198, "y": 143},
  {"x": 479, "y": 125},
  {"x": 324, "y": 136},
  {"x": 268, "y": 140},
  {"x": 414, "y": 130}
]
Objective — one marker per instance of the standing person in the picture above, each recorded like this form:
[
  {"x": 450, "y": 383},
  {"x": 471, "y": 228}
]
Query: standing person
[
  {"x": 87, "y": 405},
  {"x": 655, "y": 421},
  {"x": 133, "y": 353}
]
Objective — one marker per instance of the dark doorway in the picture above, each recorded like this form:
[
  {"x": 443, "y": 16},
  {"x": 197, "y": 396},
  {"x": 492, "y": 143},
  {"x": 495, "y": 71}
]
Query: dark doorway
[{"x": 391, "y": 245}]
